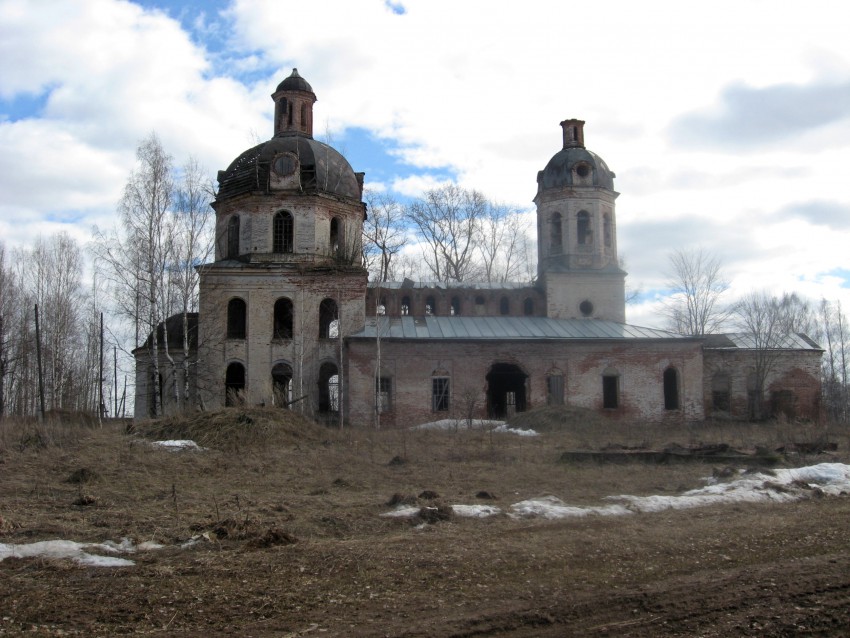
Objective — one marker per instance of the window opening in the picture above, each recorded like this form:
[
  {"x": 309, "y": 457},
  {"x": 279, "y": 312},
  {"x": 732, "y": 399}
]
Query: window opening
[
  {"x": 328, "y": 319},
  {"x": 556, "y": 234},
  {"x": 303, "y": 116},
  {"x": 328, "y": 388},
  {"x": 671, "y": 389},
  {"x": 233, "y": 237},
  {"x": 335, "y": 235},
  {"x": 606, "y": 230},
  {"x": 237, "y": 312},
  {"x": 610, "y": 392},
  {"x": 720, "y": 398},
  {"x": 430, "y": 306},
  {"x": 455, "y": 308},
  {"x": 282, "y": 232},
  {"x": 504, "y": 306},
  {"x": 440, "y": 394},
  {"x": 583, "y": 228},
  {"x": 479, "y": 305},
  {"x": 406, "y": 308},
  {"x": 283, "y": 319},
  {"x": 586, "y": 308},
  {"x": 383, "y": 394},
  {"x": 234, "y": 385},
  {"x": 282, "y": 385},
  {"x": 528, "y": 307},
  {"x": 555, "y": 389}
]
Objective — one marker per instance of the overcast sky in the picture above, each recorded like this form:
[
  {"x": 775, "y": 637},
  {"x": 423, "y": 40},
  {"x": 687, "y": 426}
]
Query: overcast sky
[{"x": 727, "y": 123}]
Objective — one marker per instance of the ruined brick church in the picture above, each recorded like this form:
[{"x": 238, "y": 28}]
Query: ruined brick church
[{"x": 288, "y": 318}]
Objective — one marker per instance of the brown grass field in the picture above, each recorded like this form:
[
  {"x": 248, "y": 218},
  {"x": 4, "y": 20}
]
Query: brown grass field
[{"x": 290, "y": 541}]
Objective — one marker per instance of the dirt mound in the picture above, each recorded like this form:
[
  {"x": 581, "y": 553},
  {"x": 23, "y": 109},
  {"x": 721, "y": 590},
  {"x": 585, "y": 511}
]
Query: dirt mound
[
  {"x": 236, "y": 428},
  {"x": 557, "y": 418}
]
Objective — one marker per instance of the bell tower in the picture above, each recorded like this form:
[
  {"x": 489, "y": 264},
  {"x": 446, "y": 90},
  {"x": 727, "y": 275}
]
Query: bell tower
[{"x": 577, "y": 233}]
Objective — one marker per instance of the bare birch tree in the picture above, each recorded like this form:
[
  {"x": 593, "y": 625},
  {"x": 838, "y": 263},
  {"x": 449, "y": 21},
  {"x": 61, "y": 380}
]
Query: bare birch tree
[
  {"x": 697, "y": 282},
  {"x": 383, "y": 233},
  {"x": 502, "y": 244}
]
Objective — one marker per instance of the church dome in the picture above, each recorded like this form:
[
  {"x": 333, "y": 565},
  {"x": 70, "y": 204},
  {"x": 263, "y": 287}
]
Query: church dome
[
  {"x": 294, "y": 83},
  {"x": 321, "y": 168},
  {"x": 574, "y": 165}
]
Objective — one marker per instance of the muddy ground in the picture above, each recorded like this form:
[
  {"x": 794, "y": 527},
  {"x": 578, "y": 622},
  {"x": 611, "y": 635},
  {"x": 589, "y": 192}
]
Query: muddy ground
[{"x": 290, "y": 541}]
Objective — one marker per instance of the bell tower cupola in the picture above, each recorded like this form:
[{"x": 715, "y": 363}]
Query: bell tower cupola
[{"x": 293, "y": 113}]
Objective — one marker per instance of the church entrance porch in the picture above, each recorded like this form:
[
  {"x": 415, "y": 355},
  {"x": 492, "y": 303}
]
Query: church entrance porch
[{"x": 506, "y": 390}]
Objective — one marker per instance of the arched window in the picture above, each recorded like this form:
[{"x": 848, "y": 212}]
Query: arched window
[
  {"x": 556, "y": 235},
  {"x": 480, "y": 307},
  {"x": 406, "y": 307},
  {"x": 606, "y": 230},
  {"x": 671, "y": 389},
  {"x": 234, "y": 385},
  {"x": 237, "y": 318},
  {"x": 328, "y": 319},
  {"x": 583, "y": 234},
  {"x": 232, "y": 251},
  {"x": 282, "y": 232},
  {"x": 335, "y": 235},
  {"x": 282, "y": 384},
  {"x": 328, "y": 388},
  {"x": 528, "y": 307},
  {"x": 282, "y": 319},
  {"x": 455, "y": 306},
  {"x": 430, "y": 306},
  {"x": 289, "y": 114},
  {"x": 504, "y": 306}
]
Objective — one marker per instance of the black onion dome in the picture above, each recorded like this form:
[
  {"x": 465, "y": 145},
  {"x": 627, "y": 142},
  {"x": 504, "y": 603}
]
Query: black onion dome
[
  {"x": 559, "y": 171},
  {"x": 322, "y": 169},
  {"x": 294, "y": 83}
]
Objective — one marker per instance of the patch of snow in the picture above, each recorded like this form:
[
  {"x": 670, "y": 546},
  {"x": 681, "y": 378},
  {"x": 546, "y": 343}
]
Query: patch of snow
[
  {"x": 475, "y": 424},
  {"x": 178, "y": 444},
  {"x": 402, "y": 512},
  {"x": 551, "y": 507},
  {"x": 476, "y": 511},
  {"x": 61, "y": 549}
]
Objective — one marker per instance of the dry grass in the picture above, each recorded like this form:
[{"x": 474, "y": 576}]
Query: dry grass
[{"x": 289, "y": 513}]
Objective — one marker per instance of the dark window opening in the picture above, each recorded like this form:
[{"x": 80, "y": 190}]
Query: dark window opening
[
  {"x": 583, "y": 233},
  {"x": 334, "y": 235},
  {"x": 528, "y": 307},
  {"x": 610, "y": 392},
  {"x": 303, "y": 116},
  {"x": 582, "y": 170},
  {"x": 233, "y": 237},
  {"x": 383, "y": 394},
  {"x": 283, "y": 319},
  {"x": 720, "y": 395},
  {"x": 406, "y": 307},
  {"x": 430, "y": 306},
  {"x": 671, "y": 389},
  {"x": 237, "y": 313},
  {"x": 440, "y": 394},
  {"x": 328, "y": 319},
  {"x": 556, "y": 234},
  {"x": 282, "y": 385},
  {"x": 283, "y": 232},
  {"x": 328, "y": 388},
  {"x": 783, "y": 402},
  {"x": 289, "y": 115},
  {"x": 455, "y": 310},
  {"x": 234, "y": 385},
  {"x": 480, "y": 309},
  {"x": 504, "y": 306},
  {"x": 586, "y": 308},
  {"x": 555, "y": 389}
]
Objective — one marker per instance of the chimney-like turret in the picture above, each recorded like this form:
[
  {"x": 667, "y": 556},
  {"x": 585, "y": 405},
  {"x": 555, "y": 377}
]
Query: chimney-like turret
[{"x": 573, "y": 133}]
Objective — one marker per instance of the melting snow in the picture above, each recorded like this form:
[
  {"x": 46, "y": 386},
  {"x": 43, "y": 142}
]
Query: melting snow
[
  {"x": 473, "y": 424},
  {"x": 778, "y": 486},
  {"x": 178, "y": 444},
  {"x": 90, "y": 554}
]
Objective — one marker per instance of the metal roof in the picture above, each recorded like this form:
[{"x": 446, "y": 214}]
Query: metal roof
[
  {"x": 516, "y": 328},
  {"x": 442, "y": 285},
  {"x": 745, "y": 341}
]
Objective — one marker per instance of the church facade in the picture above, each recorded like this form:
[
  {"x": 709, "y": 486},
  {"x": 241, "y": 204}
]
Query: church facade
[{"x": 288, "y": 318}]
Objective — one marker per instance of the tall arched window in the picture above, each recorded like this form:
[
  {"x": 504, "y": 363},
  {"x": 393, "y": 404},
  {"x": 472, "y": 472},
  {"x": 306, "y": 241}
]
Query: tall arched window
[
  {"x": 234, "y": 384},
  {"x": 328, "y": 319},
  {"x": 328, "y": 388},
  {"x": 335, "y": 236},
  {"x": 606, "y": 230},
  {"x": 282, "y": 232},
  {"x": 455, "y": 306},
  {"x": 237, "y": 318},
  {"x": 671, "y": 389},
  {"x": 556, "y": 235},
  {"x": 583, "y": 235},
  {"x": 504, "y": 306},
  {"x": 406, "y": 307},
  {"x": 430, "y": 306},
  {"x": 282, "y": 319},
  {"x": 282, "y": 384},
  {"x": 232, "y": 251}
]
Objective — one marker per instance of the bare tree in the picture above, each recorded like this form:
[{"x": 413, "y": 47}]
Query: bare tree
[
  {"x": 767, "y": 321},
  {"x": 383, "y": 233},
  {"x": 502, "y": 243},
  {"x": 696, "y": 281},
  {"x": 834, "y": 336},
  {"x": 448, "y": 218}
]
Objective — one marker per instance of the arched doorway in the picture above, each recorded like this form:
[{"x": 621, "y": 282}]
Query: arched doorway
[
  {"x": 328, "y": 388},
  {"x": 234, "y": 384},
  {"x": 282, "y": 384},
  {"x": 505, "y": 390}
]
